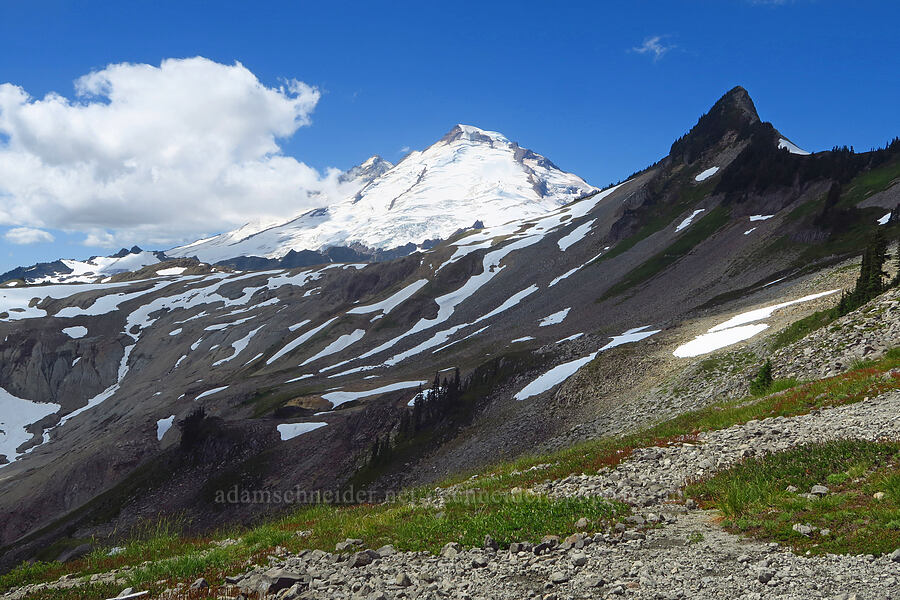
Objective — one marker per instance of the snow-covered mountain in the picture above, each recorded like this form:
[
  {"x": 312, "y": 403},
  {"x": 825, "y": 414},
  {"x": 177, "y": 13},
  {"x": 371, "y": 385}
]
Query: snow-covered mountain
[
  {"x": 91, "y": 270},
  {"x": 470, "y": 175}
]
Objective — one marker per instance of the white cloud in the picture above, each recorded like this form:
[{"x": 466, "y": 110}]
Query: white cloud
[
  {"x": 404, "y": 150},
  {"x": 156, "y": 155},
  {"x": 27, "y": 235},
  {"x": 654, "y": 47},
  {"x": 100, "y": 239}
]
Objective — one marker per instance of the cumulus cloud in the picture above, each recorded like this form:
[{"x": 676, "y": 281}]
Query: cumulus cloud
[
  {"x": 653, "y": 46},
  {"x": 156, "y": 155},
  {"x": 27, "y": 235}
]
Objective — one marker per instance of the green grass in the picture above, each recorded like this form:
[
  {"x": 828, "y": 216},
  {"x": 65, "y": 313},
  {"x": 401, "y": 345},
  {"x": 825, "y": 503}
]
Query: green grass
[
  {"x": 730, "y": 363},
  {"x": 697, "y": 233},
  {"x": 753, "y": 496},
  {"x": 408, "y": 526},
  {"x": 88, "y": 592},
  {"x": 463, "y": 519},
  {"x": 869, "y": 183},
  {"x": 800, "y": 329}
]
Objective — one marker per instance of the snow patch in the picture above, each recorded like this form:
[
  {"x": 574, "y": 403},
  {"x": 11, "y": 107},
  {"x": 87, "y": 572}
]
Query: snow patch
[
  {"x": 338, "y": 398},
  {"x": 570, "y": 338},
  {"x": 211, "y": 392},
  {"x": 299, "y": 340},
  {"x": 766, "y": 312},
  {"x": 553, "y": 377},
  {"x": 560, "y": 373},
  {"x": 714, "y": 340},
  {"x": 575, "y": 236},
  {"x": 162, "y": 426},
  {"x": 392, "y": 302},
  {"x": 75, "y": 332},
  {"x": 337, "y": 345},
  {"x": 884, "y": 220},
  {"x": 688, "y": 220},
  {"x": 563, "y": 276},
  {"x": 555, "y": 318},
  {"x": 630, "y": 336},
  {"x": 16, "y": 415},
  {"x": 239, "y": 346},
  {"x": 737, "y": 329},
  {"x": 792, "y": 148},
  {"x": 289, "y": 431},
  {"x": 706, "y": 174}
]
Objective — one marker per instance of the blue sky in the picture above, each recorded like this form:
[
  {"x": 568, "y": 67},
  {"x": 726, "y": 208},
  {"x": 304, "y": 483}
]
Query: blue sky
[{"x": 569, "y": 81}]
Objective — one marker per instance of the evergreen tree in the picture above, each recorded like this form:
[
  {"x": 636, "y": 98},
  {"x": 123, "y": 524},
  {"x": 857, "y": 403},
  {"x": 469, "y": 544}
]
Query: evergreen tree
[
  {"x": 896, "y": 280},
  {"x": 763, "y": 381},
  {"x": 870, "y": 282},
  {"x": 192, "y": 428},
  {"x": 871, "y": 274}
]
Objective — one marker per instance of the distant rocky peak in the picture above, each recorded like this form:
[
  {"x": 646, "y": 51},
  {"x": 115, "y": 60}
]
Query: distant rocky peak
[
  {"x": 732, "y": 118},
  {"x": 737, "y": 100},
  {"x": 474, "y": 134},
  {"x": 125, "y": 252},
  {"x": 370, "y": 169}
]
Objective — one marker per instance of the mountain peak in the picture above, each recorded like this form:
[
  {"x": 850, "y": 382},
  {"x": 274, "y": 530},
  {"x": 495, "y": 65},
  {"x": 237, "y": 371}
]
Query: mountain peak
[
  {"x": 473, "y": 134},
  {"x": 367, "y": 171},
  {"x": 470, "y": 175},
  {"x": 730, "y": 119},
  {"x": 372, "y": 161},
  {"x": 737, "y": 101}
]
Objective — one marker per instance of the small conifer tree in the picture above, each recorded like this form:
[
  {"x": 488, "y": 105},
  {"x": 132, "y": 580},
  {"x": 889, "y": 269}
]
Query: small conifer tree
[{"x": 763, "y": 380}]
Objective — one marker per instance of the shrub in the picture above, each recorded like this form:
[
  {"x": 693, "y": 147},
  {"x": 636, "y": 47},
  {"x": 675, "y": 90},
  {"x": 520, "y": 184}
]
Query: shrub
[{"x": 763, "y": 380}]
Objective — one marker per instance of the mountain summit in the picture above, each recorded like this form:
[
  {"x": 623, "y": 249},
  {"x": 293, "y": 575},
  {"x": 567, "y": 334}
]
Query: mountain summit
[{"x": 470, "y": 175}]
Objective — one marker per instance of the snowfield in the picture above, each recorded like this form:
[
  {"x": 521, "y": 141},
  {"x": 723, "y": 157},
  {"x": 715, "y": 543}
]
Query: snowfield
[
  {"x": 99, "y": 267},
  {"x": 16, "y": 414},
  {"x": 736, "y": 329},
  {"x": 714, "y": 340}
]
